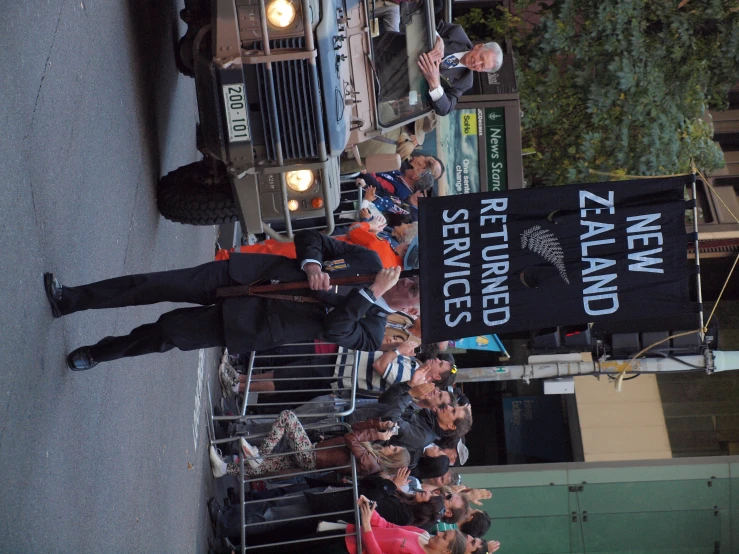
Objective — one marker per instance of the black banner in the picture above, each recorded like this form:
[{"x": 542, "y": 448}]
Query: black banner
[{"x": 498, "y": 262}]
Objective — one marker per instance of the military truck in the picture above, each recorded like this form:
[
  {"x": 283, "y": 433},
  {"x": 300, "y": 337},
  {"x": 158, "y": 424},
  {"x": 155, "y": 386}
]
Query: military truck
[{"x": 284, "y": 88}]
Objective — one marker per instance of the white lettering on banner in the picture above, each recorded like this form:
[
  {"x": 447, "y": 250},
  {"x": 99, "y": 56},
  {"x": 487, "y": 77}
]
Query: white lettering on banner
[
  {"x": 598, "y": 282},
  {"x": 495, "y": 297},
  {"x": 461, "y": 247},
  {"x": 456, "y": 243},
  {"x": 607, "y": 202},
  {"x": 597, "y": 299},
  {"x": 610, "y": 308},
  {"x": 644, "y": 261},
  {"x": 644, "y": 237},
  {"x": 595, "y": 228},
  {"x": 596, "y": 264}
]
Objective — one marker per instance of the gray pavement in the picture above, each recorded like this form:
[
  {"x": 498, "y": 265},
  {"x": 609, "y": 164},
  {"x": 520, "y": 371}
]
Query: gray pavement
[{"x": 92, "y": 111}]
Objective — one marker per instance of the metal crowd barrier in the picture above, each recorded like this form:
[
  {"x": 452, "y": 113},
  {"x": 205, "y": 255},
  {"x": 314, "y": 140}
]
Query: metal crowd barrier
[
  {"x": 328, "y": 411},
  {"x": 244, "y": 479},
  {"x": 253, "y": 365}
]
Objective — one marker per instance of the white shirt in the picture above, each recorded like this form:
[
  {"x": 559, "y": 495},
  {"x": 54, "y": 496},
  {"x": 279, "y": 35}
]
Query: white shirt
[
  {"x": 379, "y": 302},
  {"x": 438, "y": 92},
  {"x": 399, "y": 370}
]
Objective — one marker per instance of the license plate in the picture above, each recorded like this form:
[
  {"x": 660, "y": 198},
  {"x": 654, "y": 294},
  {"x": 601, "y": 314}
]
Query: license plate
[{"x": 236, "y": 118}]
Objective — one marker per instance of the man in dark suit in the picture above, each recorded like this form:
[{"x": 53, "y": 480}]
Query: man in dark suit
[
  {"x": 355, "y": 320},
  {"x": 448, "y": 67}
]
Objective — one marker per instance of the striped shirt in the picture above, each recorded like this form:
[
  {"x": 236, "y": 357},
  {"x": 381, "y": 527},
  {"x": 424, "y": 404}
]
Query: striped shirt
[
  {"x": 398, "y": 371},
  {"x": 441, "y": 527}
]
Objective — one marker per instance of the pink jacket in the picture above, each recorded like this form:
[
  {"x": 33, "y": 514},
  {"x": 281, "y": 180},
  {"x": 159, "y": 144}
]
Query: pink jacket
[{"x": 387, "y": 538}]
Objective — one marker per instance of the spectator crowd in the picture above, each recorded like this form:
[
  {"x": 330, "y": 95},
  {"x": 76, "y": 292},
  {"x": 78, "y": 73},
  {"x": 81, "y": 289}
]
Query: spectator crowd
[{"x": 408, "y": 426}]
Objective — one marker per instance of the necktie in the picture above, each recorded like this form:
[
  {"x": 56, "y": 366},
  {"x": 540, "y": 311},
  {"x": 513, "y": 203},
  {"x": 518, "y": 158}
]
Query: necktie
[{"x": 449, "y": 62}]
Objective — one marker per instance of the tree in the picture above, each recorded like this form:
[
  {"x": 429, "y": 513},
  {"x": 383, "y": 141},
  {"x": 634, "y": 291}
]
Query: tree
[{"x": 617, "y": 85}]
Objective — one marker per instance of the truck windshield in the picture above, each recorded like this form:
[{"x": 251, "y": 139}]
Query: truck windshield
[{"x": 402, "y": 92}]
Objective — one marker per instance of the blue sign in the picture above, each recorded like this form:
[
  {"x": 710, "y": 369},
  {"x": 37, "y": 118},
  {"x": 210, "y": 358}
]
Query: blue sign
[{"x": 490, "y": 343}]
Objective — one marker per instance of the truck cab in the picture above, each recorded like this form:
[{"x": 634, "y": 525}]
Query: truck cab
[{"x": 284, "y": 89}]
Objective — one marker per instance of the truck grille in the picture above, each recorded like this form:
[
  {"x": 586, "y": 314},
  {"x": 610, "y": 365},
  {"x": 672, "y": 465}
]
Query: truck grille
[{"x": 295, "y": 112}]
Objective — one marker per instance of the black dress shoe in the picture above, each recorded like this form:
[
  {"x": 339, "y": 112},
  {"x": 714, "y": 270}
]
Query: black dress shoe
[
  {"x": 214, "y": 512},
  {"x": 80, "y": 359},
  {"x": 215, "y": 546},
  {"x": 53, "y": 290}
]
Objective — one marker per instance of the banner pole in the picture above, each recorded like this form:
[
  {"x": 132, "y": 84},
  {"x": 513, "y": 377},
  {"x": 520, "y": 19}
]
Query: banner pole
[
  {"x": 245, "y": 290},
  {"x": 568, "y": 366},
  {"x": 697, "y": 256}
]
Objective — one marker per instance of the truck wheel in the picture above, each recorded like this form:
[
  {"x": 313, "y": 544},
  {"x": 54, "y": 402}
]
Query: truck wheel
[
  {"x": 183, "y": 56},
  {"x": 197, "y": 194}
]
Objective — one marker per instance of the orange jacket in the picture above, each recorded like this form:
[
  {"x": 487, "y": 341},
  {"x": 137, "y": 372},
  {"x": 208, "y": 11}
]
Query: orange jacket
[{"x": 358, "y": 234}]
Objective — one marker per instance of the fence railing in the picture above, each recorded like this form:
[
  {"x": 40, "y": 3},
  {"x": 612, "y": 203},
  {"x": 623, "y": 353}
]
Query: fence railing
[{"x": 260, "y": 532}]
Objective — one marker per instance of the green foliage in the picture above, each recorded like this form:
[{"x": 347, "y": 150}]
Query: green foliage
[{"x": 617, "y": 85}]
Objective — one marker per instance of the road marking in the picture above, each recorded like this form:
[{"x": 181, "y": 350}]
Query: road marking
[{"x": 198, "y": 395}]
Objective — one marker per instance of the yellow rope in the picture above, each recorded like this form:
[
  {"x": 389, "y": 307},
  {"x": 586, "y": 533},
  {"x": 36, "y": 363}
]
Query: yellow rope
[
  {"x": 625, "y": 366},
  {"x": 611, "y": 174},
  {"x": 622, "y": 370},
  {"x": 705, "y": 326},
  {"x": 731, "y": 272},
  {"x": 717, "y": 195}
]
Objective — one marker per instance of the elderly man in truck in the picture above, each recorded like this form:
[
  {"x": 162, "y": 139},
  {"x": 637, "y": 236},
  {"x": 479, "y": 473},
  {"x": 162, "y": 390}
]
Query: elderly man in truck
[{"x": 448, "y": 67}]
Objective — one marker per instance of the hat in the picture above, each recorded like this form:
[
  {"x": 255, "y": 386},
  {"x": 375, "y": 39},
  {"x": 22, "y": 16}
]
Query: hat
[
  {"x": 405, "y": 147},
  {"x": 463, "y": 454},
  {"x": 410, "y": 261},
  {"x": 425, "y": 181},
  {"x": 424, "y": 125}
]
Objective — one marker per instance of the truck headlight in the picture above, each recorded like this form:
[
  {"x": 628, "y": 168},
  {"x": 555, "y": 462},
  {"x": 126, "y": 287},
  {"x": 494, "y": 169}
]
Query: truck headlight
[
  {"x": 280, "y": 13},
  {"x": 300, "y": 180}
]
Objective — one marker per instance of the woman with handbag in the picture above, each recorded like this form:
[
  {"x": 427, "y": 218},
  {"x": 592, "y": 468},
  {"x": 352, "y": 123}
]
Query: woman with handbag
[{"x": 329, "y": 453}]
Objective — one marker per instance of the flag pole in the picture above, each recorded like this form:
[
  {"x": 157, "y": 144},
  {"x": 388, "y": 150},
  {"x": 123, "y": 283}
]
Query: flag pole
[
  {"x": 697, "y": 257},
  {"x": 247, "y": 290}
]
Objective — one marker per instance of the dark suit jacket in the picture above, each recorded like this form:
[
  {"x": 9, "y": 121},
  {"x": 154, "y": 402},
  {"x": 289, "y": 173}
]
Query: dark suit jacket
[
  {"x": 416, "y": 428},
  {"x": 256, "y": 323},
  {"x": 454, "y": 81}
]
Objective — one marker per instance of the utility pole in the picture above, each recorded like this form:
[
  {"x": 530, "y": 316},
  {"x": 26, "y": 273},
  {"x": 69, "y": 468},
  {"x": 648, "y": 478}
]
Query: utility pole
[{"x": 558, "y": 366}]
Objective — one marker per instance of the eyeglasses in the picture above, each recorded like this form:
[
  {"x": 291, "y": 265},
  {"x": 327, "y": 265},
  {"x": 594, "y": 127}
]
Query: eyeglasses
[{"x": 448, "y": 496}]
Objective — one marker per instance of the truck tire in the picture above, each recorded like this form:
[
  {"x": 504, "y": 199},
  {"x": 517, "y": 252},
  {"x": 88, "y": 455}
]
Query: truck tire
[
  {"x": 197, "y": 194},
  {"x": 183, "y": 56}
]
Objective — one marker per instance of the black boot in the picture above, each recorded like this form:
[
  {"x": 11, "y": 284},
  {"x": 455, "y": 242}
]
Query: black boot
[{"x": 53, "y": 290}]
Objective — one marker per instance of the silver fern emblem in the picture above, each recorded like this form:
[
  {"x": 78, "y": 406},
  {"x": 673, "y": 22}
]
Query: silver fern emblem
[{"x": 543, "y": 243}]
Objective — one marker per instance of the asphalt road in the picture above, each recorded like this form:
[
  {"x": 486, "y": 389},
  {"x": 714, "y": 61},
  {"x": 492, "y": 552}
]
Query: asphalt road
[{"x": 92, "y": 112}]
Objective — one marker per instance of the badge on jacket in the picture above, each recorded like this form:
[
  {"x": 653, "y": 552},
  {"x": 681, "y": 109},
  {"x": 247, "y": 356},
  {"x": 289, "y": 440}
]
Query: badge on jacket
[{"x": 334, "y": 265}]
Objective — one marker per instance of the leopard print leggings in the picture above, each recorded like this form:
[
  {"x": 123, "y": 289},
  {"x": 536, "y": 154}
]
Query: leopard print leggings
[{"x": 303, "y": 456}]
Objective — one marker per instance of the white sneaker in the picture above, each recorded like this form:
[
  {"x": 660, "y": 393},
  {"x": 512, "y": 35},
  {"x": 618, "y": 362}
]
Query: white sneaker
[
  {"x": 229, "y": 379},
  {"x": 251, "y": 454},
  {"x": 217, "y": 465}
]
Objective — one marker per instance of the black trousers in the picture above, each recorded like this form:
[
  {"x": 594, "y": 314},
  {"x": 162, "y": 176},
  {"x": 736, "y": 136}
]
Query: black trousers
[{"x": 184, "y": 328}]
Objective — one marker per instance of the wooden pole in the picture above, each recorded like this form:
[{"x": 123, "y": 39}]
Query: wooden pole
[{"x": 247, "y": 290}]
